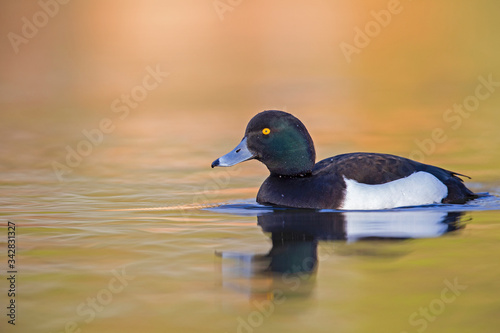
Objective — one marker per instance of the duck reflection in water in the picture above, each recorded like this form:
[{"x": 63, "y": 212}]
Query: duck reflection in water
[{"x": 289, "y": 267}]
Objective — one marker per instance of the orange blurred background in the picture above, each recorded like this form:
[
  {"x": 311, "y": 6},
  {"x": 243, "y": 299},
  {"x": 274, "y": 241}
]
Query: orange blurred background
[{"x": 227, "y": 60}]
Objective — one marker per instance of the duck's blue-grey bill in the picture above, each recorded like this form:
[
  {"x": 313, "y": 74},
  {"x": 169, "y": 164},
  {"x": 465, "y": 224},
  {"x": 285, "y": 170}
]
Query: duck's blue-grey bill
[{"x": 235, "y": 156}]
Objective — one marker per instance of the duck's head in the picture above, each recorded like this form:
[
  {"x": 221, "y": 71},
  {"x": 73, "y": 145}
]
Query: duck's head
[{"x": 277, "y": 139}]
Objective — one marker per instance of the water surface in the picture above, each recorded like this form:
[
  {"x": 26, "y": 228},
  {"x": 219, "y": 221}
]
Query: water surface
[{"x": 122, "y": 245}]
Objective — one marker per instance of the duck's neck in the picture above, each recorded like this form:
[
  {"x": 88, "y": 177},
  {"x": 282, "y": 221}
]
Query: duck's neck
[{"x": 292, "y": 161}]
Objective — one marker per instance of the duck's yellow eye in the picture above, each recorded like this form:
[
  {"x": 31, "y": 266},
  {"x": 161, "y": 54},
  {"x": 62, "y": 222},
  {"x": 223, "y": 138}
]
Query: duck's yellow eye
[{"x": 266, "y": 131}]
